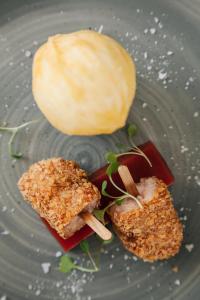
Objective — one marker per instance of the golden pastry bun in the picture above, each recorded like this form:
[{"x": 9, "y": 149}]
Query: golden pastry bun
[{"x": 84, "y": 82}]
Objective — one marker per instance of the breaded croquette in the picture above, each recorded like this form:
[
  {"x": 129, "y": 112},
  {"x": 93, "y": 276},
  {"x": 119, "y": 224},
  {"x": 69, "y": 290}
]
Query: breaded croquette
[
  {"x": 59, "y": 190},
  {"x": 153, "y": 232}
]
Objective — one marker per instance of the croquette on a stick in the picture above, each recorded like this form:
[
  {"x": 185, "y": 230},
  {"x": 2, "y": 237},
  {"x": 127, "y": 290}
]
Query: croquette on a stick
[
  {"x": 153, "y": 232},
  {"x": 59, "y": 191}
]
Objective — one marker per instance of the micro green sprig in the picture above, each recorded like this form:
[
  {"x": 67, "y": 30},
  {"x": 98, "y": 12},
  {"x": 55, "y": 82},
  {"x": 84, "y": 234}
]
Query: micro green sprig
[
  {"x": 112, "y": 159},
  {"x": 67, "y": 264},
  {"x": 13, "y": 131}
]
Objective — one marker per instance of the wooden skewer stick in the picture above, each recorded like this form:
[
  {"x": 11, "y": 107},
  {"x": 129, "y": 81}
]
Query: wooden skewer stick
[
  {"x": 97, "y": 226},
  {"x": 128, "y": 181}
]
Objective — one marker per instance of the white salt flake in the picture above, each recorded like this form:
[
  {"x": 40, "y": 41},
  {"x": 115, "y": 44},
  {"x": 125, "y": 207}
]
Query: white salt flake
[
  {"x": 38, "y": 292},
  {"x": 28, "y": 53},
  {"x": 4, "y": 297},
  {"x": 146, "y": 30},
  {"x": 169, "y": 53},
  {"x": 135, "y": 258},
  {"x": 46, "y": 267},
  {"x": 197, "y": 180},
  {"x": 5, "y": 232},
  {"x": 30, "y": 287},
  {"x": 196, "y": 114},
  {"x": 4, "y": 208},
  {"x": 162, "y": 74},
  {"x": 152, "y": 30},
  {"x": 58, "y": 254},
  {"x": 145, "y": 55},
  {"x": 110, "y": 266},
  {"x": 144, "y": 105},
  {"x": 127, "y": 34},
  {"x": 177, "y": 282},
  {"x": 156, "y": 20},
  {"x": 125, "y": 256},
  {"x": 100, "y": 29},
  {"x": 189, "y": 247},
  {"x": 184, "y": 149}
]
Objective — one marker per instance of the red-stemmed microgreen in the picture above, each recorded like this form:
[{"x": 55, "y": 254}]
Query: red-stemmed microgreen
[{"x": 13, "y": 131}]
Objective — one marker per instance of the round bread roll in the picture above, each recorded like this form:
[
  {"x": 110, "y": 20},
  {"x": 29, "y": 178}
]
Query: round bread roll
[{"x": 84, "y": 82}]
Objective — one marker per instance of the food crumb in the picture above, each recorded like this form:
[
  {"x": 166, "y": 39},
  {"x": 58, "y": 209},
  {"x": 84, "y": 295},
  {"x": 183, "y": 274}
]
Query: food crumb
[
  {"x": 189, "y": 247},
  {"x": 175, "y": 269},
  {"x": 46, "y": 267}
]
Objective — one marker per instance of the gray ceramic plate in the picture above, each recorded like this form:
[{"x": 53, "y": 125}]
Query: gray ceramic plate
[{"x": 163, "y": 36}]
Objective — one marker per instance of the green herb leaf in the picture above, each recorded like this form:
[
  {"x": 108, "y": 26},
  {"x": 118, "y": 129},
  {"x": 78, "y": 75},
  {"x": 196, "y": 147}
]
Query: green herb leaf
[
  {"x": 103, "y": 188},
  {"x": 66, "y": 264},
  {"x": 119, "y": 201},
  {"x": 131, "y": 130},
  {"x": 100, "y": 214},
  {"x": 85, "y": 246},
  {"x": 112, "y": 168},
  {"x": 111, "y": 157}
]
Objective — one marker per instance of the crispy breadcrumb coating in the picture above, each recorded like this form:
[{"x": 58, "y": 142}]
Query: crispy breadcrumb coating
[
  {"x": 154, "y": 232},
  {"x": 59, "y": 190}
]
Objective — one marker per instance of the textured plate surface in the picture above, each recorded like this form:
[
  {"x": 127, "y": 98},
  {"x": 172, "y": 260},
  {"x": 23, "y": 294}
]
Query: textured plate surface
[{"x": 163, "y": 36}]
